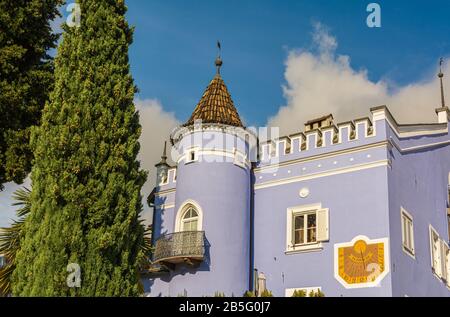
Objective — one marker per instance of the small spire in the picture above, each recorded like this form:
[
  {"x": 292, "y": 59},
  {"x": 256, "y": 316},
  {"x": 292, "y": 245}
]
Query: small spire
[
  {"x": 164, "y": 155},
  {"x": 441, "y": 76},
  {"x": 219, "y": 62}
]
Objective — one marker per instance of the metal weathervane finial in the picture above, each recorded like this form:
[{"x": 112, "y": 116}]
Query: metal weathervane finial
[
  {"x": 441, "y": 76},
  {"x": 219, "y": 62}
]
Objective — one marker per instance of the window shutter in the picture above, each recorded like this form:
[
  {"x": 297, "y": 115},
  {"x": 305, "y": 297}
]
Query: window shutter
[
  {"x": 447, "y": 257},
  {"x": 443, "y": 259},
  {"x": 432, "y": 250},
  {"x": 411, "y": 228},
  {"x": 292, "y": 217},
  {"x": 323, "y": 225},
  {"x": 403, "y": 220},
  {"x": 437, "y": 254}
]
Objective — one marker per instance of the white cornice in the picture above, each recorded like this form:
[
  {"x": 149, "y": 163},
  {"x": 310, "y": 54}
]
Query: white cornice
[
  {"x": 323, "y": 156},
  {"x": 337, "y": 171}
]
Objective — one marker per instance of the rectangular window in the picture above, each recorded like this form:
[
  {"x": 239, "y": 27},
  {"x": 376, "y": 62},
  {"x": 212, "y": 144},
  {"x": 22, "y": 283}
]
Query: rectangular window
[
  {"x": 191, "y": 156},
  {"x": 307, "y": 228},
  {"x": 407, "y": 232},
  {"x": 190, "y": 225}
]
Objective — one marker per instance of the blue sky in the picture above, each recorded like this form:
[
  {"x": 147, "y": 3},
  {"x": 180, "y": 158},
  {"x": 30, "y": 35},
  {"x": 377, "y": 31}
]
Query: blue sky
[
  {"x": 174, "y": 49},
  {"x": 284, "y": 62}
]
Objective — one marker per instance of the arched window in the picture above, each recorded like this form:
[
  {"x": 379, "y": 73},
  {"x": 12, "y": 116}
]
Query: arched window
[
  {"x": 189, "y": 217},
  {"x": 189, "y": 221}
]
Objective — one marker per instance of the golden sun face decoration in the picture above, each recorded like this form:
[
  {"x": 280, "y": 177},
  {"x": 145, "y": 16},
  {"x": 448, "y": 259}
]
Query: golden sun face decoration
[{"x": 361, "y": 262}]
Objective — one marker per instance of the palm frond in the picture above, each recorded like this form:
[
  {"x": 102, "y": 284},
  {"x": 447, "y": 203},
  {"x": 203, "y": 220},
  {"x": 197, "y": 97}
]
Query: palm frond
[
  {"x": 145, "y": 249},
  {"x": 22, "y": 199},
  {"x": 10, "y": 238}
]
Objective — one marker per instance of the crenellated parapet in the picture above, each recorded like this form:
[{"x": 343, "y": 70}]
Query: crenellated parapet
[
  {"x": 327, "y": 138},
  {"x": 380, "y": 126}
]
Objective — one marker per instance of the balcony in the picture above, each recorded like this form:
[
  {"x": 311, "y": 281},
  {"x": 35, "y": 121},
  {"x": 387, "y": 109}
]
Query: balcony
[{"x": 186, "y": 247}]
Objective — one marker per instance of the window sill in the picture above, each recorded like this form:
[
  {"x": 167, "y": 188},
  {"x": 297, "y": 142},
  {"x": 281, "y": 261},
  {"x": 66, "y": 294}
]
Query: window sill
[
  {"x": 316, "y": 247},
  {"x": 409, "y": 252}
]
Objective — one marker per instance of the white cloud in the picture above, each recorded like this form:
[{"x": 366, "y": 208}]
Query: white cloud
[
  {"x": 320, "y": 82},
  {"x": 157, "y": 125},
  {"x": 7, "y": 210}
]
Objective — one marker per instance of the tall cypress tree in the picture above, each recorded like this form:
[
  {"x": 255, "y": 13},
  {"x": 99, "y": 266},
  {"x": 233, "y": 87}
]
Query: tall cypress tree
[
  {"x": 26, "y": 79},
  {"x": 86, "y": 178}
]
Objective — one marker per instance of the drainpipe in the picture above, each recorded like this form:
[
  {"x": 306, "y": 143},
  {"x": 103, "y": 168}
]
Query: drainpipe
[
  {"x": 151, "y": 204},
  {"x": 251, "y": 271}
]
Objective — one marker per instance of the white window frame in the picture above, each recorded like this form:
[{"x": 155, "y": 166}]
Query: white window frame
[
  {"x": 306, "y": 216},
  {"x": 288, "y": 292},
  {"x": 239, "y": 159},
  {"x": 447, "y": 262},
  {"x": 182, "y": 210},
  {"x": 407, "y": 219},
  {"x": 185, "y": 220},
  {"x": 436, "y": 253},
  {"x": 163, "y": 181},
  {"x": 189, "y": 152},
  {"x": 322, "y": 228}
]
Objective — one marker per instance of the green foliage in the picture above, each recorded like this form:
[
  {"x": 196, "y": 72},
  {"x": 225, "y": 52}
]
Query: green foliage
[
  {"x": 184, "y": 294},
  {"x": 10, "y": 241},
  {"x": 26, "y": 79},
  {"x": 249, "y": 294},
  {"x": 299, "y": 293},
  {"x": 86, "y": 198},
  {"x": 316, "y": 294},
  {"x": 266, "y": 293},
  {"x": 219, "y": 294},
  {"x": 312, "y": 293}
]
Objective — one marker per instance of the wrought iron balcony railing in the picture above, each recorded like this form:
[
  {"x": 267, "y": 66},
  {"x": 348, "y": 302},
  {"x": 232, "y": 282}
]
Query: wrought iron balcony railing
[{"x": 179, "y": 247}]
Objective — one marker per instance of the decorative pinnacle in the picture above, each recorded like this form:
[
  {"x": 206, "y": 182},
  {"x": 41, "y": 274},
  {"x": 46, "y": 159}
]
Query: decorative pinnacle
[
  {"x": 219, "y": 62},
  {"x": 441, "y": 76},
  {"x": 164, "y": 155}
]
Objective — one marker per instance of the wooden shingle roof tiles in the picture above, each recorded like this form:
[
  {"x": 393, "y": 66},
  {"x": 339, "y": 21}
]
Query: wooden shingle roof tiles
[{"x": 216, "y": 106}]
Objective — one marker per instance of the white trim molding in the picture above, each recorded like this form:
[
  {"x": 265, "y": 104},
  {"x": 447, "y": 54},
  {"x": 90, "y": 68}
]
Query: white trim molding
[
  {"x": 221, "y": 156},
  {"x": 376, "y": 282},
  {"x": 337, "y": 171},
  {"x": 322, "y": 228},
  {"x": 438, "y": 253},
  {"x": 338, "y": 153},
  {"x": 165, "y": 206},
  {"x": 189, "y": 152},
  {"x": 186, "y": 204},
  {"x": 407, "y": 237}
]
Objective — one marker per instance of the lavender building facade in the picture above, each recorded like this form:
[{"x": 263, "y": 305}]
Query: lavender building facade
[{"x": 359, "y": 208}]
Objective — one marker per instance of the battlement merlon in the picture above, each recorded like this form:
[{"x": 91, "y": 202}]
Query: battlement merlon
[{"x": 381, "y": 126}]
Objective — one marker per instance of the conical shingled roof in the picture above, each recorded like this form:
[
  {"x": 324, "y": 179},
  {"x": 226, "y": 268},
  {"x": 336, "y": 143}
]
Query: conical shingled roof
[{"x": 216, "y": 106}]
